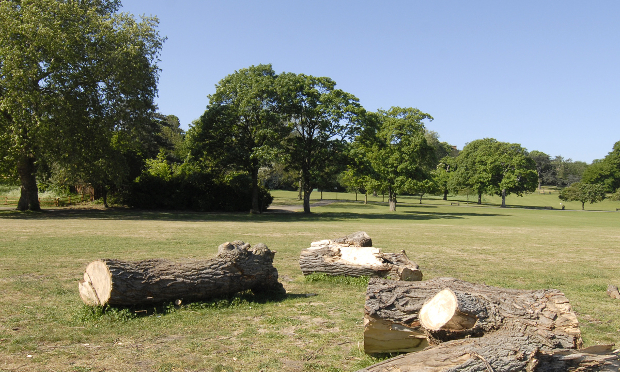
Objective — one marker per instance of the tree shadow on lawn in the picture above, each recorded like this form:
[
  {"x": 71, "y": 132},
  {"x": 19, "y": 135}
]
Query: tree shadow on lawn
[
  {"x": 422, "y": 213},
  {"x": 239, "y": 300}
]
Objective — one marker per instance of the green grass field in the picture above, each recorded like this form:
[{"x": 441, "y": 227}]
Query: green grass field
[{"x": 45, "y": 327}]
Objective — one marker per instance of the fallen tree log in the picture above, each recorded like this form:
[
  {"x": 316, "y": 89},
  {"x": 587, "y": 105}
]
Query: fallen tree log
[
  {"x": 443, "y": 309},
  {"x": 354, "y": 255},
  {"x": 237, "y": 267},
  {"x": 501, "y": 351}
]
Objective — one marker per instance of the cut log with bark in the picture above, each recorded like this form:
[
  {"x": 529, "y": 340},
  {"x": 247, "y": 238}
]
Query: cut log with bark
[
  {"x": 476, "y": 328},
  {"x": 445, "y": 309},
  {"x": 237, "y": 267},
  {"x": 612, "y": 291},
  {"x": 503, "y": 351},
  {"x": 354, "y": 255}
]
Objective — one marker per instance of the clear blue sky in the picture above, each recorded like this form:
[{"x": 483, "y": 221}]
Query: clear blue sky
[{"x": 545, "y": 74}]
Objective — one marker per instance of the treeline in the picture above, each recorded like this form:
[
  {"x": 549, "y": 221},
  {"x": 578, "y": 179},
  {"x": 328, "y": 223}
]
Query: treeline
[
  {"x": 298, "y": 132},
  {"x": 82, "y": 113}
]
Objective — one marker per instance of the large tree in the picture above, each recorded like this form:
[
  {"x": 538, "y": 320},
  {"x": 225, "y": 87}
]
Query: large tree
[
  {"x": 605, "y": 171},
  {"x": 243, "y": 126},
  {"x": 322, "y": 118},
  {"x": 495, "y": 168},
  {"x": 583, "y": 192},
  {"x": 76, "y": 77},
  {"x": 395, "y": 146},
  {"x": 544, "y": 168},
  {"x": 471, "y": 171}
]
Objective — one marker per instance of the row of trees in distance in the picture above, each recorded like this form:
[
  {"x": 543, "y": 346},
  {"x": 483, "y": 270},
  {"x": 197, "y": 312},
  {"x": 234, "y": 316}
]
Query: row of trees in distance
[{"x": 82, "y": 112}]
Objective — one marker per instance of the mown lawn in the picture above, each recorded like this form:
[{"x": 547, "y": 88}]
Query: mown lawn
[{"x": 318, "y": 327}]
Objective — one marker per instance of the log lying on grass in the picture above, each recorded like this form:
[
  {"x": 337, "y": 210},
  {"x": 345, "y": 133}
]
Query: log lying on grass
[
  {"x": 237, "y": 267},
  {"x": 438, "y": 310},
  {"x": 353, "y": 255},
  {"x": 501, "y": 351},
  {"x": 477, "y": 328}
]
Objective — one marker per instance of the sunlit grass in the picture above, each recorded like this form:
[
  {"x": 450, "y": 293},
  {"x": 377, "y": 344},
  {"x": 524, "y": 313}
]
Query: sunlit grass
[{"x": 318, "y": 326}]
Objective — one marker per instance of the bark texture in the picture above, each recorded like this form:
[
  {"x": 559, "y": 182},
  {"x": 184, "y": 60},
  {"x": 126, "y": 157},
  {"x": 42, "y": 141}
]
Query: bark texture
[
  {"x": 237, "y": 267},
  {"x": 354, "y": 255},
  {"x": 502, "y": 351},
  {"x": 476, "y": 310}
]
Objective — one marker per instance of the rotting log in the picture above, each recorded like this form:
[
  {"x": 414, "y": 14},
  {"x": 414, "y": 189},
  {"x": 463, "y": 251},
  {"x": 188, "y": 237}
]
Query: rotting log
[
  {"x": 445, "y": 309},
  {"x": 505, "y": 351},
  {"x": 237, "y": 267},
  {"x": 354, "y": 255}
]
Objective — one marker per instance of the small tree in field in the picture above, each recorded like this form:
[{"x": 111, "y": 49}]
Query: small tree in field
[{"x": 583, "y": 192}]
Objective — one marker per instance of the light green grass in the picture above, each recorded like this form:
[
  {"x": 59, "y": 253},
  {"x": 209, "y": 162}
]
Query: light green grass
[{"x": 318, "y": 327}]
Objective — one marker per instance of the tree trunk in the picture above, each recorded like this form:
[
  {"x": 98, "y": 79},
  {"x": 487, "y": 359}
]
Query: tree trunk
[
  {"x": 235, "y": 268},
  {"x": 307, "y": 200},
  {"x": 392, "y": 199},
  {"x": 502, "y": 351},
  {"x": 104, "y": 193},
  {"x": 456, "y": 309},
  {"x": 421, "y": 195},
  {"x": 255, "y": 204},
  {"x": 366, "y": 198},
  {"x": 29, "y": 197},
  {"x": 503, "y": 198},
  {"x": 583, "y": 206},
  {"x": 346, "y": 256},
  {"x": 479, "y": 198},
  {"x": 445, "y": 194}
]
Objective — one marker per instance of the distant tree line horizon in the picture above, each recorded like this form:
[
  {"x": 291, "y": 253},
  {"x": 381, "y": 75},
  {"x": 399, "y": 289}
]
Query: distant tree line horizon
[{"x": 84, "y": 113}]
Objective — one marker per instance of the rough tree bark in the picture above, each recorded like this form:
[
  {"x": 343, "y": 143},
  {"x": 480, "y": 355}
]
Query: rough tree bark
[
  {"x": 354, "y": 255},
  {"x": 502, "y": 351},
  {"x": 237, "y": 267},
  {"x": 478, "y": 328},
  {"x": 445, "y": 309}
]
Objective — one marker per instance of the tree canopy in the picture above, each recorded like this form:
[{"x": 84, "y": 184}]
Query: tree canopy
[
  {"x": 583, "y": 192},
  {"x": 393, "y": 142},
  {"x": 243, "y": 125},
  {"x": 605, "y": 171},
  {"x": 77, "y": 80},
  {"x": 496, "y": 168},
  {"x": 322, "y": 119}
]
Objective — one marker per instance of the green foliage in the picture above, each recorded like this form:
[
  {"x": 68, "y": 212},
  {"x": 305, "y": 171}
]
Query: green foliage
[
  {"x": 442, "y": 174},
  {"x": 397, "y": 153},
  {"x": 544, "y": 167},
  {"x": 63, "y": 103},
  {"x": 242, "y": 128},
  {"x": 159, "y": 167},
  {"x": 322, "y": 118},
  {"x": 583, "y": 192},
  {"x": 192, "y": 189},
  {"x": 488, "y": 166},
  {"x": 605, "y": 171},
  {"x": 565, "y": 172}
]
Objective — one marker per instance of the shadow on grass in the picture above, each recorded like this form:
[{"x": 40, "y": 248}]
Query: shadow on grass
[
  {"x": 239, "y": 300},
  {"x": 421, "y": 213}
]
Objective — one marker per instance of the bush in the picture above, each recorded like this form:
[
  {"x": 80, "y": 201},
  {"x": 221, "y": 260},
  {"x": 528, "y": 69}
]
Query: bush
[{"x": 195, "y": 190}]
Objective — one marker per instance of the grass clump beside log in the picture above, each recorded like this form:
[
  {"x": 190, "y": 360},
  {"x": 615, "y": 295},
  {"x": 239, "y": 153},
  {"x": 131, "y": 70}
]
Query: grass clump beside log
[{"x": 318, "y": 326}]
